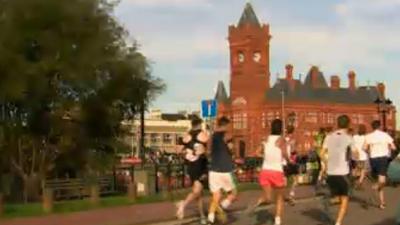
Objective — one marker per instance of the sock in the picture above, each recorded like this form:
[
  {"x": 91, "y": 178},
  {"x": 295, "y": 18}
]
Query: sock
[
  {"x": 278, "y": 221},
  {"x": 225, "y": 203},
  {"x": 211, "y": 217},
  {"x": 337, "y": 223}
]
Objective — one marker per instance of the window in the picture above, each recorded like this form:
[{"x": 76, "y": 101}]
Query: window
[
  {"x": 240, "y": 121},
  {"x": 311, "y": 117},
  {"x": 264, "y": 120},
  {"x": 167, "y": 138},
  {"x": 360, "y": 118},
  {"x": 154, "y": 138},
  {"x": 330, "y": 118}
]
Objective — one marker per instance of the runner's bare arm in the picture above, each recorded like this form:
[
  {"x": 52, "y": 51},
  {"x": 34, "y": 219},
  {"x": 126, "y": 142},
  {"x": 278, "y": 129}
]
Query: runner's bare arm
[
  {"x": 260, "y": 150},
  {"x": 229, "y": 141}
]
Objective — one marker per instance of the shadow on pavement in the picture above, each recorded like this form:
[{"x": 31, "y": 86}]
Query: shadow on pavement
[
  {"x": 316, "y": 214},
  {"x": 263, "y": 217}
]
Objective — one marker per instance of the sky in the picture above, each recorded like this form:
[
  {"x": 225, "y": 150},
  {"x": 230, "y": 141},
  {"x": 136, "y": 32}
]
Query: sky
[{"x": 186, "y": 41}]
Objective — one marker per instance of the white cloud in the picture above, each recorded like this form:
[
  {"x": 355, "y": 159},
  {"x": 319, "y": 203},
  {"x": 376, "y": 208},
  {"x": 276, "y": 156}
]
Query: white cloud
[{"x": 174, "y": 3}]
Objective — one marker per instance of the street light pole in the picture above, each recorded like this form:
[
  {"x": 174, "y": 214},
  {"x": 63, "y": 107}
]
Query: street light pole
[{"x": 383, "y": 108}]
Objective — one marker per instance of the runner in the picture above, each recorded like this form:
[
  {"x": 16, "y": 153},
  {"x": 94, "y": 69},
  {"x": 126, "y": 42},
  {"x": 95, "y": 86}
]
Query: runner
[
  {"x": 197, "y": 167},
  {"x": 272, "y": 177},
  {"x": 221, "y": 176},
  {"x": 379, "y": 145},
  {"x": 360, "y": 156},
  {"x": 291, "y": 168},
  {"x": 338, "y": 147}
]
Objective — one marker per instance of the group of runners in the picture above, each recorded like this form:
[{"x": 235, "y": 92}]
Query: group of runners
[{"x": 344, "y": 161}]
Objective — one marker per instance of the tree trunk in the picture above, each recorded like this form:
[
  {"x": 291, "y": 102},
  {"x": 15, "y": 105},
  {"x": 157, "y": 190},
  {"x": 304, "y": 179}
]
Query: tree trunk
[
  {"x": 142, "y": 131},
  {"x": 31, "y": 188},
  {"x": 1, "y": 204},
  {"x": 94, "y": 195},
  {"x": 48, "y": 201}
]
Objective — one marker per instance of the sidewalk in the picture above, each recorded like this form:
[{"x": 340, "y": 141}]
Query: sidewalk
[{"x": 136, "y": 214}]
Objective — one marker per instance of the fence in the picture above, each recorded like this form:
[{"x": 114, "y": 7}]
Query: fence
[{"x": 79, "y": 188}]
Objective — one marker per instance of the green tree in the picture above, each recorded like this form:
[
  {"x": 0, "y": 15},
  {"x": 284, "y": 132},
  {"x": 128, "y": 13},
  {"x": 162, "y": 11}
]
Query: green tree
[{"x": 67, "y": 79}]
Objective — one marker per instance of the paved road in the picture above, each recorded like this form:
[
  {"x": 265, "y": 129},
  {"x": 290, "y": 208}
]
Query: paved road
[{"x": 311, "y": 212}]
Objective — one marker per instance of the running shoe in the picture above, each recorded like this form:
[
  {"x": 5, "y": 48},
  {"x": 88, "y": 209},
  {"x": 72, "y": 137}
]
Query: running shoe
[{"x": 180, "y": 210}]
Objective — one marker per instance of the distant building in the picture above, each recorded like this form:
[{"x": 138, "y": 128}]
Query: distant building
[
  {"x": 162, "y": 130},
  {"x": 308, "y": 106}
]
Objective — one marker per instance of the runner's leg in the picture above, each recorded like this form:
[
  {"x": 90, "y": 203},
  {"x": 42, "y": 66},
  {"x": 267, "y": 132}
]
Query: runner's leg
[
  {"x": 195, "y": 194},
  {"x": 344, "y": 202},
  {"x": 214, "y": 205},
  {"x": 279, "y": 205}
]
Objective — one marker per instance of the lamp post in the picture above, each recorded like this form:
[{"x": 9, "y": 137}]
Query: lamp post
[
  {"x": 283, "y": 111},
  {"x": 383, "y": 105}
]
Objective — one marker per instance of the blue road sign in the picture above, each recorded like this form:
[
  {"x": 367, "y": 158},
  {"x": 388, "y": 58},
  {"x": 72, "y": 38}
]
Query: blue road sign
[{"x": 209, "y": 108}]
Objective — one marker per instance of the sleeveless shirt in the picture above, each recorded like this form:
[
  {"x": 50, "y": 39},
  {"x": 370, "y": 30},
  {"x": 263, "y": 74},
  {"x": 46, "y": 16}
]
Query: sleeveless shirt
[{"x": 272, "y": 154}]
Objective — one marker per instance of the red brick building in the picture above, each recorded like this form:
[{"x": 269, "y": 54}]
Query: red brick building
[{"x": 308, "y": 105}]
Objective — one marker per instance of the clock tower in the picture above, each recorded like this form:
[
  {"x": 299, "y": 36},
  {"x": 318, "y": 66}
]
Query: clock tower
[{"x": 249, "y": 58}]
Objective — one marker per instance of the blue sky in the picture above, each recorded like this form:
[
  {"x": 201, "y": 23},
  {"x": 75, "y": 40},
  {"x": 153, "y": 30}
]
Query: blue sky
[{"x": 186, "y": 41}]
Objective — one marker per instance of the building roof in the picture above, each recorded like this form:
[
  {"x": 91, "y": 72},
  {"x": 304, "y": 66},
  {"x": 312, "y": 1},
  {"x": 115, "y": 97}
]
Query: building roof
[
  {"x": 177, "y": 116},
  {"x": 248, "y": 16},
  {"x": 221, "y": 96},
  {"x": 324, "y": 94},
  {"x": 320, "y": 82}
]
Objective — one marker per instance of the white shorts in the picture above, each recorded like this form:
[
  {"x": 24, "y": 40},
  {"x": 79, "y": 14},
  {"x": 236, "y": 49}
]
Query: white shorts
[{"x": 221, "y": 181}]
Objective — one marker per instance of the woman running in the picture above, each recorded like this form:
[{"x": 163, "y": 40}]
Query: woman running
[{"x": 272, "y": 177}]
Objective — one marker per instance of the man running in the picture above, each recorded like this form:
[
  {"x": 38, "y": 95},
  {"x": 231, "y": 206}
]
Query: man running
[
  {"x": 379, "y": 145},
  {"x": 221, "y": 171},
  {"x": 338, "y": 146},
  {"x": 291, "y": 168},
  {"x": 194, "y": 151},
  {"x": 272, "y": 178}
]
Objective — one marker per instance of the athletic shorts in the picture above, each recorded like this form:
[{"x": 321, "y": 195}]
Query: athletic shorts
[
  {"x": 361, "y": 164},
  {"x": 379, "y": 166},
  {"x": 221, "y": 182},
  {"x": 338, "y": 185},
  {"x": 270, "y": 178},
  {"x": 291, "y": 170},
  {"x": 198, "y": 171}
]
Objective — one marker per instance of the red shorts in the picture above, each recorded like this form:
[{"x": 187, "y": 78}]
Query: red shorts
[{"x": 270, "y": 178}]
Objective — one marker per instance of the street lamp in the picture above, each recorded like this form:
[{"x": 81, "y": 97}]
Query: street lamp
[{"x": 384, "y": 105}]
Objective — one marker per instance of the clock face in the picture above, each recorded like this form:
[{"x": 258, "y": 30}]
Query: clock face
[
  {"x": 241, "y": 57},
  {"x": 257, "y": 57}
]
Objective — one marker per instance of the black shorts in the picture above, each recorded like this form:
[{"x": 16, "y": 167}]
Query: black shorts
[
  {"x": 198, "y": 171},
  {"x": 379, "y": 166},
  {"x": 339, "y": 185},
  {"x": 291, "y": 170}
]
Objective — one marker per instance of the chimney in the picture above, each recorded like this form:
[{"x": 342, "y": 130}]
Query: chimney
[
  {"x": 352, "y": 80},
  {"x": 335, "y": 82},
  {"x": 314, "y": 76},
  {"x": 381, "y": 89},
  {"x": 289, "y": 72}
]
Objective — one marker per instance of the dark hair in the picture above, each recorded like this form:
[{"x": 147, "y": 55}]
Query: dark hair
[
  {"x": 376, "y": 124},
  {"x": 290, "y": 129},
  {"x": 343, "y": 122},
  {"x": 196, "y": 121},
  {"x": 276, "y": 127},
  {"x": 362, "y": 129},
  {"x": 223, "y": 121}
]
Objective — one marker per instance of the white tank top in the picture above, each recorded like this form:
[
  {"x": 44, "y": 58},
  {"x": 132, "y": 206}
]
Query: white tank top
[{"x": 272, "y": 154}]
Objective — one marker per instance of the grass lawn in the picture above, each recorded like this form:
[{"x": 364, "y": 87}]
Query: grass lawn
[{"x": 35, "y": 209}]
